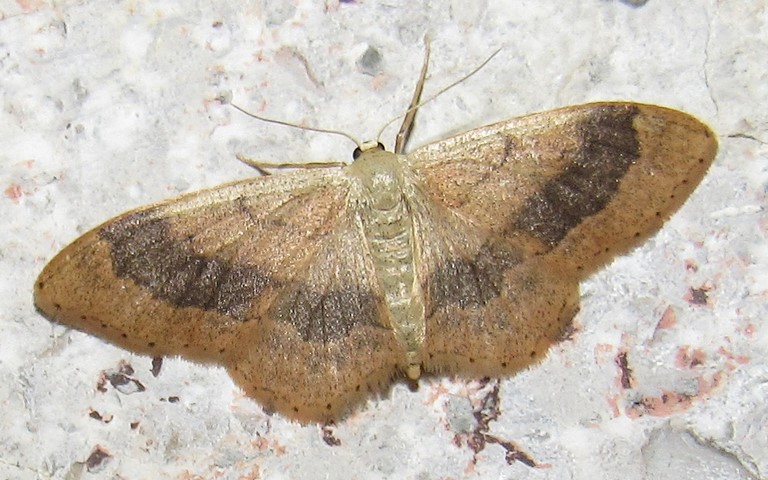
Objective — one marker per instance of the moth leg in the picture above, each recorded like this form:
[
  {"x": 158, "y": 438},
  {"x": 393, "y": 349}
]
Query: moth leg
[{"x": 262, "y": 167}]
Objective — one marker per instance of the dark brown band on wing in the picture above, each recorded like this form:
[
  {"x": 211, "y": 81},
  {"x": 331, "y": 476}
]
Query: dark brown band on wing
[
  {"x": 608, "y": 147},
  {"x": 328, "y": 316},
  {"x": 470, "y": 283},
  {"x": 144, "y": 250}
]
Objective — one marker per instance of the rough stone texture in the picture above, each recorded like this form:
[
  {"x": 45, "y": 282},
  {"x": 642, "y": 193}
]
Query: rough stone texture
[{"x": 107, "y": 106}]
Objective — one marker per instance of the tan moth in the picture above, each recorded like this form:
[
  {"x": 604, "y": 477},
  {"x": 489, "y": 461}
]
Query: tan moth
[{"x": 318, "y": 287}]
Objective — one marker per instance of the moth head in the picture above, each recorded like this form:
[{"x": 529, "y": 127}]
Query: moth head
[
  {"x": 370, "y": 145},
  {"x": 380, "y": 174}
]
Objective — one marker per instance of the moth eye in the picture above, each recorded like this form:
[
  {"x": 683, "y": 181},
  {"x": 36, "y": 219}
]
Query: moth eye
[{"x": 356, "y": 153}]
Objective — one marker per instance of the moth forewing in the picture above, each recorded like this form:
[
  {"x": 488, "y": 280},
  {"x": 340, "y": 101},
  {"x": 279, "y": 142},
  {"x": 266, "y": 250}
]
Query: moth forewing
[{"x": 587, "y": 181}]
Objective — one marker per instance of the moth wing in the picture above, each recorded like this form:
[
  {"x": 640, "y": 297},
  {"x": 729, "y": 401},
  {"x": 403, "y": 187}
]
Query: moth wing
[
  {"x": 220, "y": 276},
  {"x": 490, "y": 308},
  {"x": 584, "y": 183},
  {"x": 521, "y": 210}
]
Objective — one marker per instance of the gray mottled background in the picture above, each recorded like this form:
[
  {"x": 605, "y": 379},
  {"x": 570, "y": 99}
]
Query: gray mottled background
[{"x": 109, "y": 105}]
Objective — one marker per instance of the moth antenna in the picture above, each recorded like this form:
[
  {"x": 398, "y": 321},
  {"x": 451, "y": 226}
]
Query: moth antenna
[
  {"x": 410, "y": 115},
  {"x": 419, "y": 85},
  {"x": 295, "y": 125}
]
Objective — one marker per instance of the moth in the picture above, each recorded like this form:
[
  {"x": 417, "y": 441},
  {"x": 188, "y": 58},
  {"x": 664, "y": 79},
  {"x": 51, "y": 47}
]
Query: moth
[{"x": 319, "y": 287}]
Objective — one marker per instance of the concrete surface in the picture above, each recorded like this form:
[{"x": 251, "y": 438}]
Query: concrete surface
[{"x": 108, "y": 106}]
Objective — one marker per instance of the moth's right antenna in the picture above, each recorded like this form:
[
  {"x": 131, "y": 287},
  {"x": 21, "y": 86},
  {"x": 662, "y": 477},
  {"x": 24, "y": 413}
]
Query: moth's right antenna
[{"x": 410, "y": 114}]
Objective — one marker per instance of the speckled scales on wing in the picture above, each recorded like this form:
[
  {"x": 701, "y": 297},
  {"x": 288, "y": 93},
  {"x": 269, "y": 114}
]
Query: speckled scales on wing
[
  {"x": 190, "y": 263},
  {"x": 585, "y": 182},
  {"x": 336, "y": 345},
  {"x": 268, "y": 277},
  {"x": 490, "y": 309},
  {"x": 546, "y": 199}
]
